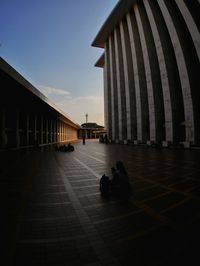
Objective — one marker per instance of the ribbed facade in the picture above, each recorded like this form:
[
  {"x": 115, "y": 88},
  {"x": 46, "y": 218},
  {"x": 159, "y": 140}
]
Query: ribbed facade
[{"x": 152, "y": 71}]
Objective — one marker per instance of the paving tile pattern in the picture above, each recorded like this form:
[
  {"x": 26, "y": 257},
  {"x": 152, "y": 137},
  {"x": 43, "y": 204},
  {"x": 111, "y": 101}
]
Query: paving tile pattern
[{"x": 53, "y": 214}]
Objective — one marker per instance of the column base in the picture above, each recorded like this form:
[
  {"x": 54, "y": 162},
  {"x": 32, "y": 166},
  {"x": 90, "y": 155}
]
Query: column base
[
  {"x": 150, "y": 142},
  {"x": 186, "y": 144},
  {"x": 166, "y": 143}
]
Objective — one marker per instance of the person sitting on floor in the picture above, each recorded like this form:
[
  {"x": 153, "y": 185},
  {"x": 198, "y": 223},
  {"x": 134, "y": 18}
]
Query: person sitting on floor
[
  {"x": 120, "y": 185},
  {"x": 105, "y": 185},
  {"x": 70, "y": 147}
]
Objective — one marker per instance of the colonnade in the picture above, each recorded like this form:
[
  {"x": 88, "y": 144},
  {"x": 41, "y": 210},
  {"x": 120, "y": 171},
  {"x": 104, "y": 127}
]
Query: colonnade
[
  {"x": 30, "y": 129},
  {"x": 27, "y": 118}
]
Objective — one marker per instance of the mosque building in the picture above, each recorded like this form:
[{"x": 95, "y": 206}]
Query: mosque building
[{"x": 151, "y": 68}]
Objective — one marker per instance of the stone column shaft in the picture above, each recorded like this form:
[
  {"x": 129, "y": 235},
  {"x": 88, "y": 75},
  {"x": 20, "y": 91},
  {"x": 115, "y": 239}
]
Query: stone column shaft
[
  {"x": 151, "y": 104},
  {"x": 194, "y": 32},
  {"x": 41, "y": 129},
  {"x": 126, "y": 81},
  {"x": 119, "y": 83},
  {"x": 163, "y": 74},
  {"x": 16, "y": 129},
  {"x": 106, "y": 108},
  {"x": 35, "y": 128},
  {"x": 183, "y": 73},
  {"x": 27, "y": 129},
  {"x": 112, "y": 88},
  {"x": 3, "y": 140},
  {"x": 136, "y": 79}
]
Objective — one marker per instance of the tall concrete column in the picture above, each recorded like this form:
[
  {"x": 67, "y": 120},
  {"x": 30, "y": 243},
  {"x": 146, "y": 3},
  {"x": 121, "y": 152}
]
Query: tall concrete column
[
  {"x": 51, "y": 131},
  {"x": 46, "y": 130},
  {"x": 35, "y": 129},
  {"x": 27, "y": 129},
  {"x": 41, "y": 129},
  {"x": 65, "y": 132},
  {"x": 112, "y": 84},
  {"x": 54, "y": 131},
  {"x": 106, "y": 94},
  {"x": 16, "y": 129},
  {"x": 121, "y": 100},
  {"x": 151, "y": 104},
  {"x": 128, "y": 80},
  {"x": 58, "y": 130},
  {"x": 163, "y": 75},
  {"x": 3, "y": 137},
  {"x": 194, "y": 32},
  {"x": 136, "y": 79},
  {"x": 183, "y": 74}
]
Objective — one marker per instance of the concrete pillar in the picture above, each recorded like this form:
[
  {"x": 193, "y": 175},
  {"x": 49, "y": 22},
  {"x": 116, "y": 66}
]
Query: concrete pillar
[
  {"x": 136, "y": 79},
  {"x": 112, "y": 85},
  {"x": 35, "y": 137},
  {"x": 106, "y": 95},
  {"x": 194, "y": 32},
  {"x": 55, "y": 131},
  {"x": 151, "y": 104},
  {"x": 51, "y": 131},
  {"x": 58, "y": 130},
  {"x": 41, "y": 129},
  {"x": 46, "y": 130},
  {"x": 16, "y": 129},
  {"x": 27, "y": 129},
  {"x": 122, "y": 123},
  {"x": 3, "y": 137},
  {"x": 163, "y": 75},
  {"x": 66, "y": 132},
  {"x": 183, "y": 73},
  {"x": 61, "y": 131},
  {"x": 128, "y": 82}
]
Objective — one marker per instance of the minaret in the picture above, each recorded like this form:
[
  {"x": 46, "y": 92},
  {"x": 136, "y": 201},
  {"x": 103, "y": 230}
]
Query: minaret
[{"x": 86, "y": 118}]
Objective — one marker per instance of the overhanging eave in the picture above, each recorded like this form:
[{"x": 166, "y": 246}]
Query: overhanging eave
[{"x": 113, "y": 19}]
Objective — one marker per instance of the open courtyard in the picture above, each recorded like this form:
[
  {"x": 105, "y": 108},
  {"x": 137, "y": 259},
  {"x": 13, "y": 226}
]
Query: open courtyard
[{"x": 53, "y": 213}]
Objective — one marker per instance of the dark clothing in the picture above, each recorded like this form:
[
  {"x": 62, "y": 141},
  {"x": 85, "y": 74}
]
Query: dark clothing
[
  {"x": 120, "y": 185},
  {"x": 105, "y": 185}
]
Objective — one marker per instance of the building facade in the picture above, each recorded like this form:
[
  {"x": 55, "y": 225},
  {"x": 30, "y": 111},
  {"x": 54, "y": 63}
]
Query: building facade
[
  {"x": 151, "y": 64},
  {"x": 90, "y": 131},
  {"x": 27, "y": 117}
]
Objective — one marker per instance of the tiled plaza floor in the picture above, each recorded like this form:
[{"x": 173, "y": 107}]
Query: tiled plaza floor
[{"x": 53, "y": 214}]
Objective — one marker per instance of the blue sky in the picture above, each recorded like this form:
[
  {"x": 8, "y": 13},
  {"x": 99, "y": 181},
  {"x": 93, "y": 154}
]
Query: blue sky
[{"x": 49, "y": 43}]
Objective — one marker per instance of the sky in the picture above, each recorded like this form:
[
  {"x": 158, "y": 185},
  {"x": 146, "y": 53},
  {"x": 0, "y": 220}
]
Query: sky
[{"x": 49, "y": 43}]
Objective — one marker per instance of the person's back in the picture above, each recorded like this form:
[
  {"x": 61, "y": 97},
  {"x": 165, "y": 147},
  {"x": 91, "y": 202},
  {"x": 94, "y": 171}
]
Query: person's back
[
  {"x": 70, "y": 147},
  {"x": 124, "y": 184},
  {"x": 105, "y": 185}
]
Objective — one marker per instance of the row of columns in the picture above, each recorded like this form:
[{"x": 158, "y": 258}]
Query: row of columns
[
  {"x": 24, "y": 129},
  {"x": 149, "y": 90},
  {"x": 88, "y": 133}
]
